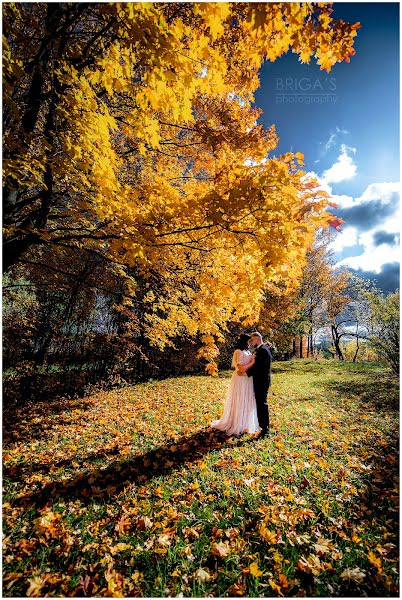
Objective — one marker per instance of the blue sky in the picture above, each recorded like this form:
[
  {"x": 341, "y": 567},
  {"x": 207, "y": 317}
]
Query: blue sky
[{"x": 346, "y": 123}]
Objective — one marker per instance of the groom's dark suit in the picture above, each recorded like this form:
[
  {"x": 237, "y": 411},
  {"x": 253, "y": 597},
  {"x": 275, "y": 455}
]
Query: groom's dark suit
[{"x": 261, "y": 373}]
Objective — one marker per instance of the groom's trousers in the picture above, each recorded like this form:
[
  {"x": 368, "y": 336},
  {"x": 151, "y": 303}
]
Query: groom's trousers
[{"x": 261, "y": 398}]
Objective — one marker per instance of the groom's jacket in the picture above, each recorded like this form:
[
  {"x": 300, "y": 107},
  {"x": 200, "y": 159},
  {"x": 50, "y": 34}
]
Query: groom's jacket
[{"x": 261, "y": 369}]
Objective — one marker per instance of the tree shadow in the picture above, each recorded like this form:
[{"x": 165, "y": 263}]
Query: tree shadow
[
  {"x": 31, "y": 422},
  {"x": 380, "y": 393},
  {"x": 377, "y": 503},
  {"x": 15, "y": 472},
  {"x": 106, "y": 481}
]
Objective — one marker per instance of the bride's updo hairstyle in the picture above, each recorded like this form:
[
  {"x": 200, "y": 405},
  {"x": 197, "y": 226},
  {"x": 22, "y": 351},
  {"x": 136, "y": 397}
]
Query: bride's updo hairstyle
[{"x": 242, "y": 342}]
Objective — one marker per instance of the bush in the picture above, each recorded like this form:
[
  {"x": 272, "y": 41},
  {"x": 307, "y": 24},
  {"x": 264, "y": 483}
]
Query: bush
[
  {"x": 384, "y": 323},
  {"x": 366, "y": 352}
]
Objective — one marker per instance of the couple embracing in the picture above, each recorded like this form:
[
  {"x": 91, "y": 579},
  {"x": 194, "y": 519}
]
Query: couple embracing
[{"x": 246, "y": 406}]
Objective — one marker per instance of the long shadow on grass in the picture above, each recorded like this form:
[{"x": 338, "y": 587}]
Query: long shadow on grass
[
  {"x": 16, "y": 472},
  {"x": 31, "y": 420},
  {"x": 381, "y": 393},
  {"x": 109, "y": 480}
]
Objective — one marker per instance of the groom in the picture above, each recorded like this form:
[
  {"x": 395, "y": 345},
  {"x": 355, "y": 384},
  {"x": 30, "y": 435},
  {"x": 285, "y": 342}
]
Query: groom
[{"x": 261, "y": 374}]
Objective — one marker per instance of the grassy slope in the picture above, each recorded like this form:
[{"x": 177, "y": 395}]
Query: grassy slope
[{"x": 129, "y": 492}]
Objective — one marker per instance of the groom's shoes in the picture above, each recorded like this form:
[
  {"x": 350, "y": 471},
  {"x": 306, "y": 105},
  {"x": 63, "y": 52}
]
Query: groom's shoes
[{"x": 264, "y": 433}]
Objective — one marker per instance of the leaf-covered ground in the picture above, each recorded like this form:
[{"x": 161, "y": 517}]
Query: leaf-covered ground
[{"x": 130, "y": 492}]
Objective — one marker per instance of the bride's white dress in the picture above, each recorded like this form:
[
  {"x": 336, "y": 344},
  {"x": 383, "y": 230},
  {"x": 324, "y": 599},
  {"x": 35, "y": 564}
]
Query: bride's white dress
[{"x": 240, "y": 410}]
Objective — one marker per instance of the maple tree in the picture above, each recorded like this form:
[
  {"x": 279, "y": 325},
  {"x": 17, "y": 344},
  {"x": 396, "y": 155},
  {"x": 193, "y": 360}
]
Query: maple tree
[{"x": 130, "y": 132}]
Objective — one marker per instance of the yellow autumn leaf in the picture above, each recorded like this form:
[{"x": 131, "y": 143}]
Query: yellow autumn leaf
[
  {"x": 268, "y": 535},
  {"x": 375, "y": 560},
  {"x": 120, "y": 547},
  {"x": 254, "y": 570}
]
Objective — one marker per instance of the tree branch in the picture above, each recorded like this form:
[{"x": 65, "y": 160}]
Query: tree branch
[{"x": 66, "y": 273}]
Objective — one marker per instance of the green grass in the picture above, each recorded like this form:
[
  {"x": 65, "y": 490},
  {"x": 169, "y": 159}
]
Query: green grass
[{"x": 130, "y": 492}]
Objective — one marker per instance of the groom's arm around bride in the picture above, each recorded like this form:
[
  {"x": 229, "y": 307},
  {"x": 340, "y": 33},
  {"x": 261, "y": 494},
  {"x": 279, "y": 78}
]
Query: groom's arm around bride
[{"x": 261, "y": 369}]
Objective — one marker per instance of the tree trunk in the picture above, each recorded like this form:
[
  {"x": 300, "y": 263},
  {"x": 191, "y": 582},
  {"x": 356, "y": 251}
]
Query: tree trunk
[
  {"x": 336, "y": 340},
  {"x": 41, "y": 67},
  {"x": 357, "y": 349},
  {"x": 310, "y": 350},
  {"x": 357, "y": 341}
]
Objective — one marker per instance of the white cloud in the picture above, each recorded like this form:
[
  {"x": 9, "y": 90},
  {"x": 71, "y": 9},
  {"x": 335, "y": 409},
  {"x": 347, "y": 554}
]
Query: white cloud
[
  {"x": 248, "y": 129},
  {"x": 379, "y": 191},
  {"x": 333, "y": 138},
  {"x": 330, "y": 142},
  {"x": 343, "y": 201},
  {"x": 343, "y": 169},
  {"x": 382, "y": 192},
  {"x": 393, "y": 223},
  {"x": 345, "y": 238},
  {"x": 374, "y": 256},
  {"x": 233, "y": 96},
  {"x": 340, "y": 130}
]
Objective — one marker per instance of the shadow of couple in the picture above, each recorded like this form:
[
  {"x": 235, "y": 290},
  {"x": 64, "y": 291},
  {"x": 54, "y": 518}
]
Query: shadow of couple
[{"x": 104, "y": 481}]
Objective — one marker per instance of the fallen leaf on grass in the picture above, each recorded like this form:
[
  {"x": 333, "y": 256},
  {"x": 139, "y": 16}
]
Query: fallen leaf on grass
[
  {"x": 221, "y": 549},
  {"x": 323, "y": 546},
  {"x": 232, "y": 532},
  {"x": 47, "y": 523},
  {"x": 187, "y": 551},
  {"x": 10, "y": 579},
  {"x": 275, "y": 587},
  {"x": 375, "y": 560},
  {"x": 164, "y": 540},
  {"x": 311, "y": 564},
  {"x": 267, "y": 535},
  {"x": 354, "y": 574},
  {"x": 237, "y": 589},
  {"x": 123, "y": 525},
  {"x": 120, "y": 547},
  {"x": 254, "y": 570},
  {"x": 115, "y": 583},
  {"x": 305, "y": 482},
  {"x": 35, "y": 586},
  {"x": 85, "y": 581},
  {"x": 202, "y": 575},
  {"x": 144, "y": 523},
  {"x": 137, "y": 576}
]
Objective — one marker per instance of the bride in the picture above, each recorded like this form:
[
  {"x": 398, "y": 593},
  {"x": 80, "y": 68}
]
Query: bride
[{"x": 240, "y": 411}]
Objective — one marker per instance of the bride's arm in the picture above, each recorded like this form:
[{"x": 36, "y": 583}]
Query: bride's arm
[{"x": 241, "y": 369}]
